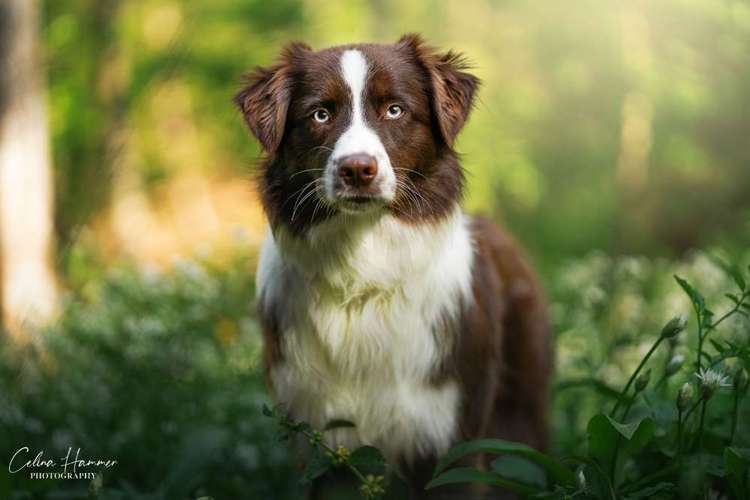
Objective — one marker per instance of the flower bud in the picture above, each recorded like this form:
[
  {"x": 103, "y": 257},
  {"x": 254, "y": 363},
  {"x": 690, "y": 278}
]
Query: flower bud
[
  {"x": 674, "y": 326},
  {"x": 340, "y": 456},
  {"x": 316, "y": 438},
  {"x": 685, "y": 396},
  {"x": 642, "y": 381},
  {"x": 674, "y": 365},
  {"x": 372, "y": 487},
  {"x": 581, "y": 479},
  {"x": 740, "y": 380}
]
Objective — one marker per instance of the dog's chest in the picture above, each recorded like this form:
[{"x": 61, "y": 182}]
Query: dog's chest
[{"x": 364, "y": 344}]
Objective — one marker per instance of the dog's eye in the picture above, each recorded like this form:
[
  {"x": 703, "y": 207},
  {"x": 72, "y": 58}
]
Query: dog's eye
[
  {"x": 394, "y": 111},
  {"x": 321, "y": 115}
]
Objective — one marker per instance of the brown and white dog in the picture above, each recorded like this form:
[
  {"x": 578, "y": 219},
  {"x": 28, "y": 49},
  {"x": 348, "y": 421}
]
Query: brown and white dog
[{"x": 382, "y": 303}]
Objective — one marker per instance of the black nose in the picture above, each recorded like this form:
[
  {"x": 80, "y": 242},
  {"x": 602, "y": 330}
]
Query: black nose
[{"x": 358, "y": 170}]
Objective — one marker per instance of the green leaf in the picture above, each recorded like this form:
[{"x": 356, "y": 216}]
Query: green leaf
[
  {"x": 301, "y": 427},
  {"x": 708, "y": 318},
  {"x": 520, "y": 470},
  {"x": 598, "y": 480},
  {"x": 737, "y": 465},
  {"x": 267, "y": 411},
  {"x": 469, "y": 475},
  {"x": 338, "y": 424},
  {"x": 731, "y": 270},
  {"x": 559, "y": 493},
  {"x": 197, "y": 451},
  {"x": 719, "y": 348},
  {"x": 368, "y": 460},
  {"x": 650, "y": 491},
  {"x": 603, "y": 437},
  {"x": 738, "y": 278},
  {"x": 734, "y": 298},
  {"x": 599, "y": 386},
  {"x": 558, "y": 472},
  {"x": 318, "y": 465},
  {"x": 695, "y": 296},
  {"x": 694, "y": 472},
  {"x": 628, "y": 430}
]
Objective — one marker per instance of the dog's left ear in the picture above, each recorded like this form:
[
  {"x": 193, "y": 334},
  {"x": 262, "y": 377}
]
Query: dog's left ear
[
  {"x": 453, "y": 89},
  {"x": 264, "y": 101}
]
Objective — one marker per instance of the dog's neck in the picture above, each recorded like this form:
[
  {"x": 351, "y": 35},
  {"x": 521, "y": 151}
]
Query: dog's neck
[{"x": 369, "y": 249}]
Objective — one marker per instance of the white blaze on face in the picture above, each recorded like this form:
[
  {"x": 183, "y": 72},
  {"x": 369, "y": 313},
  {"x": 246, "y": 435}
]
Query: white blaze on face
[{"x": 358, "y": 137}]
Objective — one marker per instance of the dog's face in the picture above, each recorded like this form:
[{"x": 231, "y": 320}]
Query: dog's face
[{"x": 359, "y": 129}]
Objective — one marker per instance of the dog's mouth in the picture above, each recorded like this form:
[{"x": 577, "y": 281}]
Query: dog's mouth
[
  {"x": 359, "y": 203},
  {"x": 360, "y": 199}
]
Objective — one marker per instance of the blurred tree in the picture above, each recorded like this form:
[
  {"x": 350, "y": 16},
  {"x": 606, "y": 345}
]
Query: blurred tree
[
  {"x": 141, "y": 93},
  {"x": 600, "y": 124},
  {"x": 26, "y": 232},
  {"x": 82, "y": 43}
]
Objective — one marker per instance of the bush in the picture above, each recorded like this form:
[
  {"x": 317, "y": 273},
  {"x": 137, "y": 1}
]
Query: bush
[
  {"x": 675, "y": 429},
  {"x": 159, "y": 370}
]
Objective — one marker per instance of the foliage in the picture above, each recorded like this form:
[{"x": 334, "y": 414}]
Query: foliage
[
  {"x": 157, "y": 370},
  {"x": 141, "y": 90},
  {"x": 599, "y": 124},
  {"x": 366, "y": 463},
  {"x": 655, "y": 442}
]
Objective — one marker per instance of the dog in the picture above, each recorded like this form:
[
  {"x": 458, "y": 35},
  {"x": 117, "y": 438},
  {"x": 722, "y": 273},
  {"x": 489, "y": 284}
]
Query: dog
[{"x": 381, "y": 302}]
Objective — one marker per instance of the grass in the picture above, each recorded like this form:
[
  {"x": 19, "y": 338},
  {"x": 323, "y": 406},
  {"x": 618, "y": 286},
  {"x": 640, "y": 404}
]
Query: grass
[{"x": 160, "y": 371}]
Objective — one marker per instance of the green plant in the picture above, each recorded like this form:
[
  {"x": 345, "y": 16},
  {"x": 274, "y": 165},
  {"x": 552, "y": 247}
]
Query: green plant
[
  {"x": 646, "y": 447},
  {"x": 157, "y": 369},
  {"x": 160, "y": 370},
  {"x": 366, "y": 463}
]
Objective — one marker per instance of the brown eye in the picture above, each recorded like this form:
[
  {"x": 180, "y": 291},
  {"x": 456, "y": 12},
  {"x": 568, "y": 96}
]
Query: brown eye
[
  {"x": 321, "y": 115},
  {"x": 394, "y": 111}
]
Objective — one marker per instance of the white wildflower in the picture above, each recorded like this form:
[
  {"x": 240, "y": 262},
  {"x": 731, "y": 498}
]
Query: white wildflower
[{"x": 711, "y": 380}]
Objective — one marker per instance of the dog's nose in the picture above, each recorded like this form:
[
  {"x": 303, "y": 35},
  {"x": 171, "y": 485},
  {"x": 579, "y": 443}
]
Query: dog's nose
[{"x": 358, "y": 170}]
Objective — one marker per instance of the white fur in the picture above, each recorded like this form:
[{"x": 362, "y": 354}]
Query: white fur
[
  {"x": 358, "y": 137},
  {"x": 368, "y": 305}
]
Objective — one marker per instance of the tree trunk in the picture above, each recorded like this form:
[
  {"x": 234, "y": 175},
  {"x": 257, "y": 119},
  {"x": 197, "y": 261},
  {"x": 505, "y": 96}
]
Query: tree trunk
[
  {"x": 27, "y": 283},
  {"x": 636, "y": 132}
]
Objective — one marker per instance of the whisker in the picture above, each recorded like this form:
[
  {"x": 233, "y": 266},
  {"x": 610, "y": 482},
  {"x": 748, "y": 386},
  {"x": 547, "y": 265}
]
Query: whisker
[
  {"x": 411, "y": 171},
  {"x": 300, "y": 202},
  {"x": 409, "y": 196},
  {"x": 413, "y": 195},
  {"x": 314, "y": 149},
  {"x": 306, "y": 170},
  {"x": 302, "y": 189},
  {"x": 320, "y": 202}
]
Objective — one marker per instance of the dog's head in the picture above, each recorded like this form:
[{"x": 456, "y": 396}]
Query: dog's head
[{"x": 359, "y": 129}]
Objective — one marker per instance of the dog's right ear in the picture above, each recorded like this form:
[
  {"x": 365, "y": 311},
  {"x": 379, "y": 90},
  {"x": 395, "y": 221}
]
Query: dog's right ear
[{"x": 264, "y": 101}]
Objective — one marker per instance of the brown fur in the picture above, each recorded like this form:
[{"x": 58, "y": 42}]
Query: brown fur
[{"x": 501, "y": 355}]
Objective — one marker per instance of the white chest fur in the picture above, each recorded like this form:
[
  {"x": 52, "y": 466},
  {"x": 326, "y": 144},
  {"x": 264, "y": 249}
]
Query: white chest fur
[{"x": 365, "y": 308}]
